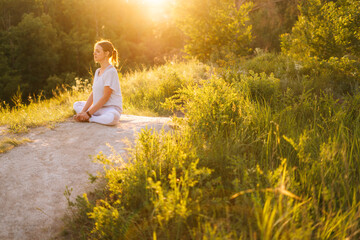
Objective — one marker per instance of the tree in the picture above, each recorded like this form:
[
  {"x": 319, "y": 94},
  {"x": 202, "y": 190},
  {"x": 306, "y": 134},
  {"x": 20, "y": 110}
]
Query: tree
[
  {"x": 216, "y": 30},
  {"x": 9, "y": 79},
  {"x": 326, "y": 40},
  {"x": 325, "y": 29},
  {"x": 32, "y": 51},
  {"x": 11, "y": 11},
  {"x": 270, "y": 19}
]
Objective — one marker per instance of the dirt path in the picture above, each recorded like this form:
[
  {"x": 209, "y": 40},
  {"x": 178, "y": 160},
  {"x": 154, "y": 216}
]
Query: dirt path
[{"x": 34, "y": 176}]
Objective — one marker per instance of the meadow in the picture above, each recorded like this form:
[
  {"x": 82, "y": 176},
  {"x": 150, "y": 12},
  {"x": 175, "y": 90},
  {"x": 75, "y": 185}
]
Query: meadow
[
  {"x": 265, "y": 123},
  {"x": 259, "y": 154}
]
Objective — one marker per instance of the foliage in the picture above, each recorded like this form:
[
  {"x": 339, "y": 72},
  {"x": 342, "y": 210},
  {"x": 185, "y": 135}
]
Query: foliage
[
  {"x": 326, "y": 41},
  {"x": 238, "y": 167},
  {"x": 39, "y": 111},
  {"x": 33, "y": 47},
  {"x": 325, "y": 29},
  {"x": 159, "y": 176},
  {"x": 12, "y": 12},
  {"x": 145, "y": 91},
  {"x": 215, "y": 30},
  {"x": 287, "y": 70},
  {"x": 42, "y": 42},
  {"x": 270, "y": 19},
  {"x": 336, "y": 76}
]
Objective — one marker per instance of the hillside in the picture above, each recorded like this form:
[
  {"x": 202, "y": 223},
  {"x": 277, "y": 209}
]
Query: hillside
[{"x": 34, "y": 176}]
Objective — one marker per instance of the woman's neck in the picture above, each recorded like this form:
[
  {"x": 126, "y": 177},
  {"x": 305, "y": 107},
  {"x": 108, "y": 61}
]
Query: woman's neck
[{"x": 104, "y": 65}]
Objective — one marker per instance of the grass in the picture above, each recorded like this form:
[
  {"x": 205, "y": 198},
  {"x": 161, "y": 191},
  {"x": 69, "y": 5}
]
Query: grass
[
  {"x": 40, "y": 112},
  {"x": 258, "y": 155},
  {"x": 250, "y": 160},
  {"x": 144, "y": 92},
  {"x": 7, "y": 143}
]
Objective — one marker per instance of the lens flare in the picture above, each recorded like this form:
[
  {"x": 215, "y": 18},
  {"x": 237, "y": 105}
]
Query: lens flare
[{"x": 157, "y": 9}]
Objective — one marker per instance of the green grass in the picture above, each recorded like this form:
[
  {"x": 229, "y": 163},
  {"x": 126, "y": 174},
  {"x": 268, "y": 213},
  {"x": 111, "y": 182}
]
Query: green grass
[
  {"x": 257, "y": 156},
  {"x": 144, "y": 92},
  {"x": 250, "y": 160},
  {"x": 40, "y": 112}
]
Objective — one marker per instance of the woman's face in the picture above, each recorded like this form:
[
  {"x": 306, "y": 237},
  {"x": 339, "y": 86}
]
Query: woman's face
[{"x": 99, "y": 54}]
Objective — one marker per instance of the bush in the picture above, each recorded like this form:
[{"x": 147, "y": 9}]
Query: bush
[
  {"x": 324, "y": 29},
  {"x": 161, "y": 184},
  {"x": 325, "y": 40},
  {"x": 54, "y": 81}
]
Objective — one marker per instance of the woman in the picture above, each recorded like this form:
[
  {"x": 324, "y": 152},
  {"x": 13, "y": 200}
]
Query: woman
[{"x": 104, "y": 105}]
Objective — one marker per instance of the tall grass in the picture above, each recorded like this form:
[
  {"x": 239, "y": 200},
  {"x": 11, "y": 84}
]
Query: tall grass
[
  {"x": 42, "y": 112},
  {"x": 250, "y": 160},
  {"x": 265, "y": 151},
  {"x": 145, "y": 91}
]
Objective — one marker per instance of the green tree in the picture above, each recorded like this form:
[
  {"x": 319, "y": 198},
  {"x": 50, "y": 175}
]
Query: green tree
[
  {"x": 270, "y": 19},
  {"x": 215, "y": 30},
  {"x": 9, "y": 79},
  {"x": 325, "y": 29},
  {"x": 32, "y": 51},
  {"x": 326, "y": 40},
  {"x": 11, "y": 11},
  {"x": 77, "y": 24}
]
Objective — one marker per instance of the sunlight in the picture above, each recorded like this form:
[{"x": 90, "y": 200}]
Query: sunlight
[
  {"x": 157, "y": 9},
  {"x": 154, "y": 3}
]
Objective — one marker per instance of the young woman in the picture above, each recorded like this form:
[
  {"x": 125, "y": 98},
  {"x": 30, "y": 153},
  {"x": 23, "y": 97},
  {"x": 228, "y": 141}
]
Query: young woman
[{"x": 104, "y": 105}]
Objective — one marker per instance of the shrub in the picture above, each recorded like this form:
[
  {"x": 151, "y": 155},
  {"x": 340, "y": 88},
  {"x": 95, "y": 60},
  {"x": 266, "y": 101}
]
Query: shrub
[
  {"x": 326, "y": 41},
  {"x": 161, "y": 184}
]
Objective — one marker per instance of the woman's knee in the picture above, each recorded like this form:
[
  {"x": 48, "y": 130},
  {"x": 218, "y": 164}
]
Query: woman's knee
[
  {"x": 115, "y": 119},
  {"x": 78, "y": 106}
]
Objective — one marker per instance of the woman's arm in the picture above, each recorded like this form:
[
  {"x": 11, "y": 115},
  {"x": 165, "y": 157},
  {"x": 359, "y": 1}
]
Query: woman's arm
[
  {"x": 89, "y": 110},
  {"x": 102, "y": 100},
  {"x": 88, "y": 103},
  {"x": 83, "y": 116}
]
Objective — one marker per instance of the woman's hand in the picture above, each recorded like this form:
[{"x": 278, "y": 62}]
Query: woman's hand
[{"x": 81, "y": 117}]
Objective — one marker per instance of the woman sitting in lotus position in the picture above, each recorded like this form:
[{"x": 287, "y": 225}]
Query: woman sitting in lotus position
[{"x": 104, "y": 105}]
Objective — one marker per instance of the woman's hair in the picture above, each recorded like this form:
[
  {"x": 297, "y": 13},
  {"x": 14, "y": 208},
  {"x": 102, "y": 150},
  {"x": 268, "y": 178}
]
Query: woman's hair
[{"x": 107, "y": 46}]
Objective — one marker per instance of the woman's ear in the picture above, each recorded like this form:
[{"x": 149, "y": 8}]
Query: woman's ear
[{"x": 107, "y": 53}]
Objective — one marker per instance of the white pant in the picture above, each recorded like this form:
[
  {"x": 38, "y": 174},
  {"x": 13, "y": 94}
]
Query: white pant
[{"x": 108, "y": 115}]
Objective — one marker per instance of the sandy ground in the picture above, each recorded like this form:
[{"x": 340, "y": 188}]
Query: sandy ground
[{"x": 34, "y": 176}]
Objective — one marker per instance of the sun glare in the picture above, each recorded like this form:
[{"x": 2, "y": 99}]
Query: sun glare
[
  {"x": 157, "y": 9},
  {"x": 155, "y": 2}
]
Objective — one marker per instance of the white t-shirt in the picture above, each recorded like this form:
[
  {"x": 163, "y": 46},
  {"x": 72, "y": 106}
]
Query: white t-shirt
[{"x": 109, "y": 78}]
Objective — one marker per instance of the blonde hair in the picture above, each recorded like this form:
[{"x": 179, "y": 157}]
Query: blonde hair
[{"x": 107, "y": 46}]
